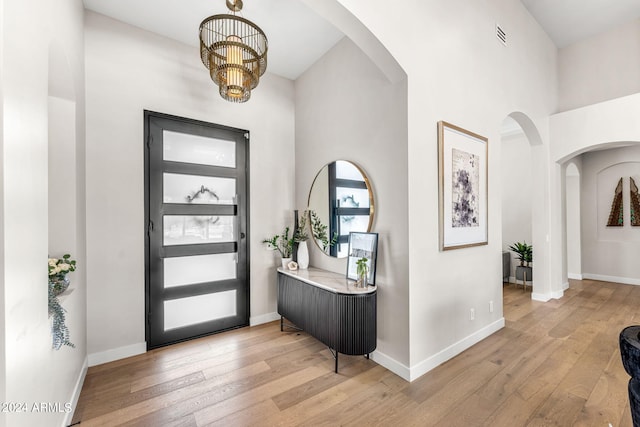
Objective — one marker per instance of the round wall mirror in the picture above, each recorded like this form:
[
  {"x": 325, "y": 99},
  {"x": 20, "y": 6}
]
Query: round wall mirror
[{"x": 340, "y": 201}]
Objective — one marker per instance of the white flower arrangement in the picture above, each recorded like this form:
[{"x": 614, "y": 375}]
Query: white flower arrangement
[
  {"x": 58, "y": 283},
  {"x": 59, "y": 267}
]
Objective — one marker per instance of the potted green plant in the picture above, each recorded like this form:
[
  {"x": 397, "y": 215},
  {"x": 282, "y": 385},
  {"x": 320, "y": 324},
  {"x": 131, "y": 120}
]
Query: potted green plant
[
  {"x": 528, "y": 256},
  {"x": 525, "y": 255},
  {"x": 524, "y": 251},
  {"x": 283, "y": 243},
  {"x": 362, "y": 269}
]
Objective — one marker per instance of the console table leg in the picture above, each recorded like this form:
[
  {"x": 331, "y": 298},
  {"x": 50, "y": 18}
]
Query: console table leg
[
  {"x": 367, "y": 355},
  {"x": 334, "y": 353},
  {"x": 281, "y": 324}
]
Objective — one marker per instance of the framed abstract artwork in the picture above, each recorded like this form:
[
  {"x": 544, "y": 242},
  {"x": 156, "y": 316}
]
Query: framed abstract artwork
[{"x": 462, "y": 178}]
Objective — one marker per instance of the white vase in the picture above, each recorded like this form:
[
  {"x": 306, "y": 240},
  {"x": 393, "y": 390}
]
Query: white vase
[
  {"x": 303, "y": 255},
  {"x": 285, "y": 262}
]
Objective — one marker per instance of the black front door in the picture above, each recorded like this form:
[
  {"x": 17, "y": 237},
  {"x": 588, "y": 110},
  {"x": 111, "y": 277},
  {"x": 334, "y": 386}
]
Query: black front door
[{"x": 196, "y": 191}]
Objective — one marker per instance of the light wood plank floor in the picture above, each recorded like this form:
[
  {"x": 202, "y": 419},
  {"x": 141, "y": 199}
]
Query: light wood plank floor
[{"x": 554, "y": 363}]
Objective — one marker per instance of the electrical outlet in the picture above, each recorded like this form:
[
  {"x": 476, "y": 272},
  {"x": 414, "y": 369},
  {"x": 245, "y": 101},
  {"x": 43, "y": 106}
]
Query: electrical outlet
[
  {"x": 490, "y": 306},
  {"x": 472, "y": 314}
]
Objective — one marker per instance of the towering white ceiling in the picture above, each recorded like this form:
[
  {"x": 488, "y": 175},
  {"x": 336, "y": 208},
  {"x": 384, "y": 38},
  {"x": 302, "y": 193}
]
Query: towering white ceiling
[
  {"x": 298, "y": 37},
  {"x": 569, "y": 21}
]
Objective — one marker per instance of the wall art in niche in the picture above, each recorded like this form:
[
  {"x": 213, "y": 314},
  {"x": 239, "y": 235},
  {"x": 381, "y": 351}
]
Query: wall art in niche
[
  {"x": 463, "y": 163},
  {"x": 616, "y": 218},
  {"x": 635, "y": 204}
]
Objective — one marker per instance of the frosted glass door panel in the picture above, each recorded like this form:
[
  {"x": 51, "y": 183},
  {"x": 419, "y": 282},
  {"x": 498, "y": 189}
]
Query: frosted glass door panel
[
  {"x": 353, "y": 223},
  {"x": 202, "y": 308},
  {"x": 193, "y": 230},
  {"x": 185, "y": 148},
  {"x": 347, "y": 170},
  {"x": 343, "y": 250},
  {"x": 196, "y": 189},
  {"x": 352, "y": 197},
  {"x": 188, "y": 270}
]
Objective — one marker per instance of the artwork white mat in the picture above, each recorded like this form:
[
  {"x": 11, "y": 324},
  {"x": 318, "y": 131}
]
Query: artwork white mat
[{"x": 463, "y": 186}]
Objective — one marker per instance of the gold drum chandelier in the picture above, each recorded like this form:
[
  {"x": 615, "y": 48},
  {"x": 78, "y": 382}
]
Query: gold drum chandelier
[{"x": 234, "y": 50}]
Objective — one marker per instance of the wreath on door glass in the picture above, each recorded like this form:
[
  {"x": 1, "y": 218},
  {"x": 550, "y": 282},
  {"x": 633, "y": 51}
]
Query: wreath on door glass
[
  {"x": 351, "y": 204},
  {"x": 196, "y": 195}
]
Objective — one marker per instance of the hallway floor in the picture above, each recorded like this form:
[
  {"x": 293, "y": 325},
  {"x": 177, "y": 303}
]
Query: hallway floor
[{"x": 555, "y": 363}]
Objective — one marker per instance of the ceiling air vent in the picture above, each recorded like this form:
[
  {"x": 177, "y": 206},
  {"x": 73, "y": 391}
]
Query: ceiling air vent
[{"x": 501, "y": 35}]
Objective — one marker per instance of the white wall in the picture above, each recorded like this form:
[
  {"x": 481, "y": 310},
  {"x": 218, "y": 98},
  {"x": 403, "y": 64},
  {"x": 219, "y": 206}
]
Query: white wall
[
  {"x": 3, "y": 362},
  {"x": 462, "y": 74},
  {"x": 130, "y": 70},
  {"x": 600, "y": 68},
  {"x": 601, "y": 125},
  {"x": 573, "y": 218},
  {"x": 609, "y": 253},
  {"x": 62, "y": 177},
  {"x": 34, "y": 372},
  {"x": 346, "y": 109},
  {"x": 516, "y": 182}
]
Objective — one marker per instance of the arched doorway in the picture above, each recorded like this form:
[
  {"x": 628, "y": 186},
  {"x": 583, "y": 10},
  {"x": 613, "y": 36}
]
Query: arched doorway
[
  {"x": 516, "y": 186},
  {"x": 592, "y": 247},
  {"x": 519, "y": 139}
]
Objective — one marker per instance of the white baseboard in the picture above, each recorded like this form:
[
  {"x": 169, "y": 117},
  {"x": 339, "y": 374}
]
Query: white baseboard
[
  {"x": 546, "y": 297},
  {"x": 453, "y": 350},
  {"x": 574, "y": 276},
  {"x": 263, "y": 318},
  {"x": 117, "y": 353},
  {"x": 76, "y": 392},
  {"x": 540, "y": 297},
  {"x": 565, "y": 286},
  {"x": 512, "y": 279},
  {"x": 615, "y": 279},
  {"x": 392, "y": 364}
]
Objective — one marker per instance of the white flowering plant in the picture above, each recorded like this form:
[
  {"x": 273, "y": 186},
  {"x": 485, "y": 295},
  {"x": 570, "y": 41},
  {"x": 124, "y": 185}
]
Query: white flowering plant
[
  {"x": 59, "y": 267},
  {"x": 58, "y": 283}
]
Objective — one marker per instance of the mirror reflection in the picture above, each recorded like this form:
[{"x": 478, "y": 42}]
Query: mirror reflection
[{"x": 340, "y": 201}]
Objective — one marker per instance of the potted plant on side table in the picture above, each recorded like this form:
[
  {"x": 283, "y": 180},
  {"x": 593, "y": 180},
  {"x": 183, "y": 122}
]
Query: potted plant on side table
[
  {"x": 525, "y": 255},
  {"x": 282, "y": 243}
]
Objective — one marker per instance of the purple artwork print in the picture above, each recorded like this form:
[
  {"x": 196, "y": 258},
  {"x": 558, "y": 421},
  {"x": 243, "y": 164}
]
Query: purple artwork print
[{"x": 465, "y": 195}]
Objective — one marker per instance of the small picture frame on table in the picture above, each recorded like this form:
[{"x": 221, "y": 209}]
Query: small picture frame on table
[{"x": 362, "y": 245}]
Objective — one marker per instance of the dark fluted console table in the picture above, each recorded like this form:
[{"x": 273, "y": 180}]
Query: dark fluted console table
[{"x": 330, "y": 308}]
